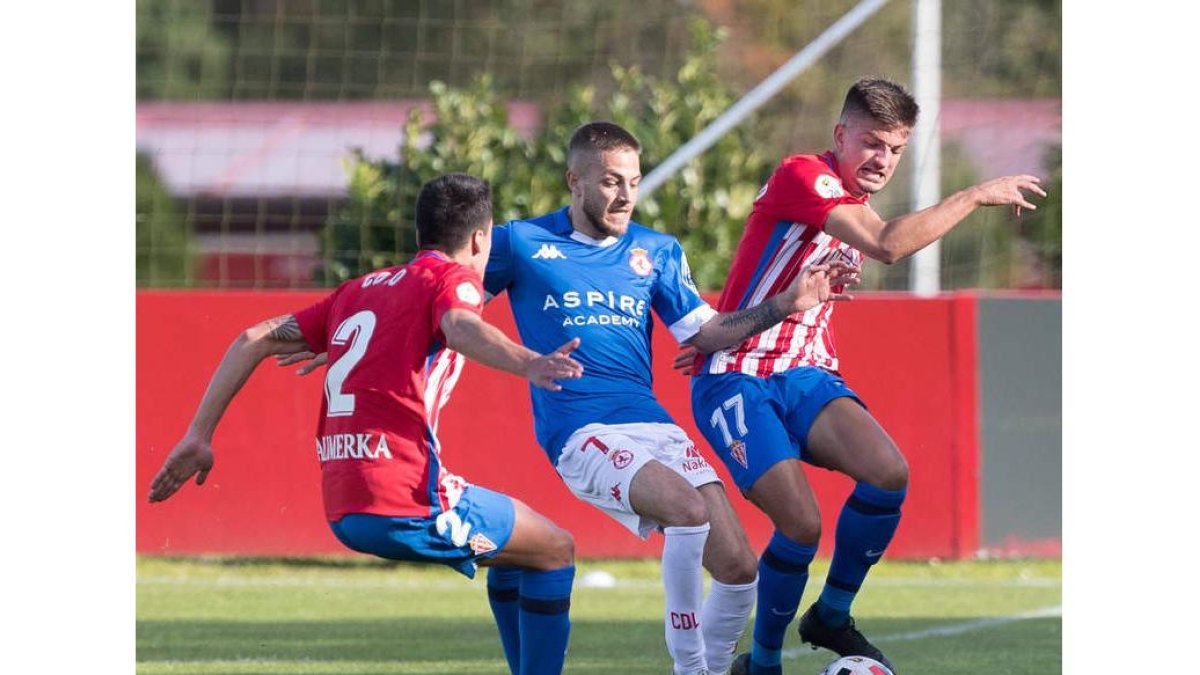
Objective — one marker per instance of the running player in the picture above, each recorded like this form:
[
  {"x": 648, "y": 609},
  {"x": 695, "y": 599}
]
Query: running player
[
  {"x": 393, "y": 339},
  {"x": 776, "y": 399},
  {"x": 587, "y": 271}
]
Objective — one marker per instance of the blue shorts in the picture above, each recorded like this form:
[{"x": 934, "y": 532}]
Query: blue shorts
[
  {"x": 478, "y": 527},
  {"x": 753, "y": 423}
]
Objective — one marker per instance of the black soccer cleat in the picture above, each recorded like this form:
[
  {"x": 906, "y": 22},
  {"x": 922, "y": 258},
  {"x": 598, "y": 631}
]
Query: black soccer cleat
[
  {"x": 844, "y": 641},
  {"x": 740, "y": 665}
]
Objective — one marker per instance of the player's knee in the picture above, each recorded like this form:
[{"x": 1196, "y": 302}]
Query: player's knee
[
  {"x": 561, "y": 550},
  {"x": 893, "y": 475},
  {"x": 736, "y": 569},
  {"x": 801, "y": 527},
  {"x": 689, "y": 511}
]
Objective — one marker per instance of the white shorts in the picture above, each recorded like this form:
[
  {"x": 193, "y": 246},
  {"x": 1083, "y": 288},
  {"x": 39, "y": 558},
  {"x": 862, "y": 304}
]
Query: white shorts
[{"x": 599, "y": 461}]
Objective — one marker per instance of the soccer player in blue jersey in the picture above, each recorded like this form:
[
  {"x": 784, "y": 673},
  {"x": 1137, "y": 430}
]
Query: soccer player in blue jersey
[{"x": 588, "y": 271}]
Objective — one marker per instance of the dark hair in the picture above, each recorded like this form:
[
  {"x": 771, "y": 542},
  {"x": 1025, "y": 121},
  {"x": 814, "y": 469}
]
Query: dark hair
[
  {"x": 601, "y": 137},
  {"x": 883, "y": 101},
  {"x": 449, "y": 209}
]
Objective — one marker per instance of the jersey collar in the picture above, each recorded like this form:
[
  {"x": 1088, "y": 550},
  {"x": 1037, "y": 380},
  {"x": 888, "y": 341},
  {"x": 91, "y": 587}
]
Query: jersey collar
[
  {"x": 431, "y": 253},
  {"x": 563, "y": 226}
]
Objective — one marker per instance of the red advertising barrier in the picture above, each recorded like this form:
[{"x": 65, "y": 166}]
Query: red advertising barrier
[{"x": 912, "y": 361}]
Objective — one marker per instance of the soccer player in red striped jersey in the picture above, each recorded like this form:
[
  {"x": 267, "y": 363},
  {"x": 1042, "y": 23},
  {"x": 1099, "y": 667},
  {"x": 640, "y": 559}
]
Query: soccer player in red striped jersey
[
  {"x": 776, "y": 400},
  {"x": 394, "y": 339}
]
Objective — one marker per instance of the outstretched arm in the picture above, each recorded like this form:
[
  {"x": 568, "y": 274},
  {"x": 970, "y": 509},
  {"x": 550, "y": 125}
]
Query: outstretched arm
[
  {"x": 810, "y": 288},
  {"x": 896, "y": 239},
  {"x": 480, "y": 341},
  {"x": 192, "y": 455}
]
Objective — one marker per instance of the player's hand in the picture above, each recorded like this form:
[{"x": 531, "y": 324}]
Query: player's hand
[
  {"x": 1009, "y": 190},
  {"x": 192, "y": 456},
  {"x": 557, "y": 365},
  {"x": 314, "y": 361},
  {"x": 684, "y": 360},
  {"x": 817, "y": 283}
]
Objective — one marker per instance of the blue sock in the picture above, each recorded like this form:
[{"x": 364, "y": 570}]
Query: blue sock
[
  {"x": 864, "y": 530},
  {"x": 782, "y": 574},
  {"x": 545, "y": 619},
  {"x": 503, "y": 585}
]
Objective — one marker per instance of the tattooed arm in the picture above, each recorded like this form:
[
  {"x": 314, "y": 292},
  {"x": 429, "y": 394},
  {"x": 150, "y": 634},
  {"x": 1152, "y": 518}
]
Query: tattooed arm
[
  {"x": 810, "y": 288},
  {"x": 193, "y": 454}
]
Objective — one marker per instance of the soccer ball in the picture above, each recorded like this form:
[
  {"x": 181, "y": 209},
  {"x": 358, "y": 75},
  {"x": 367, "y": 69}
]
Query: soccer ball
[{"x": 855, "y": 665}]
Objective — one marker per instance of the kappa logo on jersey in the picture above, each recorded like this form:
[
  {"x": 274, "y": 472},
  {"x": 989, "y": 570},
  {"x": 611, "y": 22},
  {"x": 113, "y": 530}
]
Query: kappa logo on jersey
[
  {"x": 829, "y": 187},
  {"x": 738, "y": 450},
  {"x": 549, "y": 252},
  {"x": 639, "y": 261},
  {"x": 467, "y": 292},
  {"x": 480, "y": 544},
  {"x": 615, "y": 491}
]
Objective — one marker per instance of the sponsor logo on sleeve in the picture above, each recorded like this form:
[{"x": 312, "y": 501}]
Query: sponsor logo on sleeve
[
  {"x": 467, "y": 292},
  {"x": 687, "y": 273},
  {"x": 829, "y": 187}
]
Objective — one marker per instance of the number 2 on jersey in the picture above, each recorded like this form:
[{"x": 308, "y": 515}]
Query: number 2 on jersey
[
  {"x": 356, "y": 330},
  {"x": 733, "y": 403}
]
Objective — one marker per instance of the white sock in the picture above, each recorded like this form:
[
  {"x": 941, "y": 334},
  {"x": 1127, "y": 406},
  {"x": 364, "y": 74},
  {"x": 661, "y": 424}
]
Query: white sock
[
  {"x": 724, "y": 617},
  {"x": 683, "y": 580}
]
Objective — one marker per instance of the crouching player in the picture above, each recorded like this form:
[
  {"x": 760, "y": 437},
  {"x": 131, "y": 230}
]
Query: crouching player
[{"x": 394, "y": 339}]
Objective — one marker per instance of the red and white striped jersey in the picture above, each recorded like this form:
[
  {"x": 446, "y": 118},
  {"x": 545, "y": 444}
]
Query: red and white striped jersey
[
  {"x": 785, "y": 233},
  {"x": 388, "y": 377}
]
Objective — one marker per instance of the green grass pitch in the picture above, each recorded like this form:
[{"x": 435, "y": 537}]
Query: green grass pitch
[{"x": 347, "y": 616}]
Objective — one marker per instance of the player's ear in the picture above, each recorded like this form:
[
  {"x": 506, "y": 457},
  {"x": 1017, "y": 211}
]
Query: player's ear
[
  {"x": 480, "y": 239},
  {"x": 839, "y": 136},
  {"x": 572, "y": 182}
]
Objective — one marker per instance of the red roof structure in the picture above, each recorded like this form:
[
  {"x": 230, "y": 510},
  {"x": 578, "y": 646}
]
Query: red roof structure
[
  {"x": 292, "y": 149},
  {"x": 298, "y": 149}
]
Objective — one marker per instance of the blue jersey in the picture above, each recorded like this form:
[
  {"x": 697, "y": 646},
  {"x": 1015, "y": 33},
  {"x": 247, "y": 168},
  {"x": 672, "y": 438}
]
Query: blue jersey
[{"x": 562, "y": 284}]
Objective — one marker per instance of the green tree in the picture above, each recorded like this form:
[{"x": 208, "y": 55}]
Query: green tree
[
  {"x": 1043, "y": 227},
  {"x": 704, "y": 205},
  {"x": 179, "y": 53},
  {"x": 163, "y": 255}
]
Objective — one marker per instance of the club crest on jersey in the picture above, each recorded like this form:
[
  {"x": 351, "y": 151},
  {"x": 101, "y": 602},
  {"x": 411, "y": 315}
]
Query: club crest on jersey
[
  {"x": 738, "y": 450},
  {"x": 828, "y": 187},
  {"x": 481, "y": 544},
  {"x": 639, "y": 261},
  {"x": 621, "y": 458}
]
